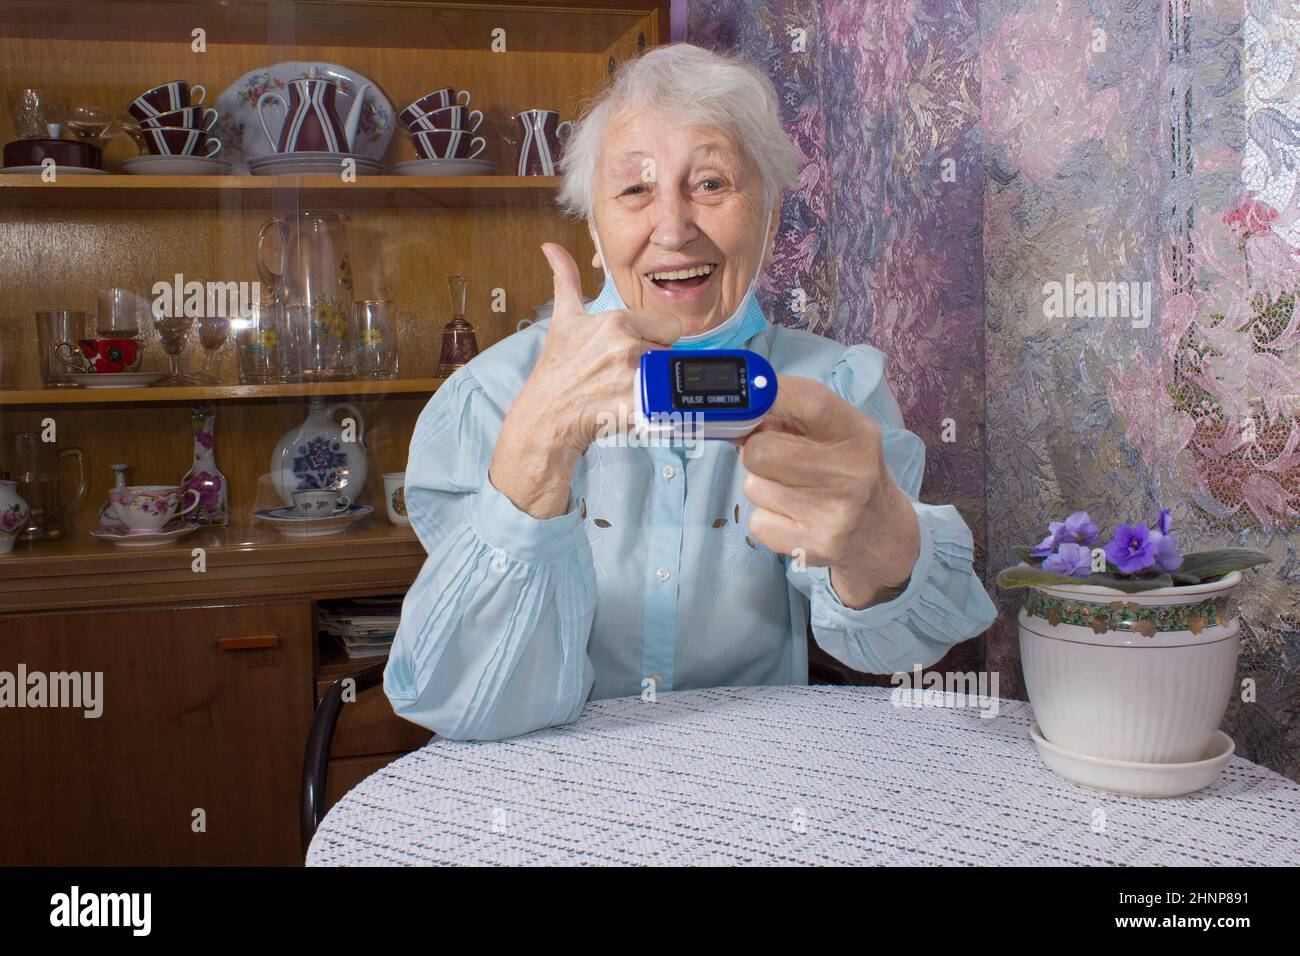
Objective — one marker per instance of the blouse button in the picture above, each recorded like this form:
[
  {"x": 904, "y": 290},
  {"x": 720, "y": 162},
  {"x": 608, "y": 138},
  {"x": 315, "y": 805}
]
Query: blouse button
[
  {"x": 669, "y": 471},
  {"x": 663, "y": 574}
]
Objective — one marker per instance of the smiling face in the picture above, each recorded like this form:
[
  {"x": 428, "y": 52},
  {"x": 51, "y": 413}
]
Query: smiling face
[{"x": 679, "y": 210}]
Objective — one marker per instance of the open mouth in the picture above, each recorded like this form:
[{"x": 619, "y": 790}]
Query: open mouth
[{"x": 679, "y": 280}]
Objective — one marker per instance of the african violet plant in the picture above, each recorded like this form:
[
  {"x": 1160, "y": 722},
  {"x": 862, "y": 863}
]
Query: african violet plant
[{"x": 1137, "y": 558}]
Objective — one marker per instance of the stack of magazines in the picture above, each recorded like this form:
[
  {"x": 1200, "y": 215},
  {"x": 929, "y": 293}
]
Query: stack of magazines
[{"x": 364, "y": 627}]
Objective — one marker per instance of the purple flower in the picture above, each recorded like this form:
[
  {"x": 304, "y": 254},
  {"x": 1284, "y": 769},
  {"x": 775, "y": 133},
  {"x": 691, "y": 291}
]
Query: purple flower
[
  {"x": 1072, "y": 559},
  {"x": 1167, "y": 556},
  {"x": 1078, "y": 528},
  {"x": 1130, "y": 548}
]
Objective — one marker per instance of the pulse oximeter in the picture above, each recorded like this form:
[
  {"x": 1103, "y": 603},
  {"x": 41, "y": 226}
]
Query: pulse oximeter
[{"x": 707, "y": 393}]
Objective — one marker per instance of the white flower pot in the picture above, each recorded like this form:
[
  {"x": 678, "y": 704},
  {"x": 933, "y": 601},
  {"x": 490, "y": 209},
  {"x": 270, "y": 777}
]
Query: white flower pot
[{"x": 1136, "y": 677}]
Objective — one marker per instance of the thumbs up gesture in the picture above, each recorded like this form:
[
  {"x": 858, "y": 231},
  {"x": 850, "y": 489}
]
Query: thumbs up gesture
[{"x": 582, "y": 378}]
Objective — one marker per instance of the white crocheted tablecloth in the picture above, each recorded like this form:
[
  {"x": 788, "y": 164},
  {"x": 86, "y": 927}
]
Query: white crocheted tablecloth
[{"x": 781, "y": 775}]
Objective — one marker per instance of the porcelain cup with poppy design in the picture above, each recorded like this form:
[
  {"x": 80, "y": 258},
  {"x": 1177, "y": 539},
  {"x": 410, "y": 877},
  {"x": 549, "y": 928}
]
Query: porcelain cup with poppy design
[
  {"x": 91, "y": 356},
  {"x": 150, "y": 507}
]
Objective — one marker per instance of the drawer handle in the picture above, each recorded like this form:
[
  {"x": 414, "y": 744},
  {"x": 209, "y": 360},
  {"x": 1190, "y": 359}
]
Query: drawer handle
[{"x": 252, "y": 642}]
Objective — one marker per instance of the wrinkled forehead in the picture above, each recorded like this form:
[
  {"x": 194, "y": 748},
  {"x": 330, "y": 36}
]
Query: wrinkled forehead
[{"x": 638, "y": 141}]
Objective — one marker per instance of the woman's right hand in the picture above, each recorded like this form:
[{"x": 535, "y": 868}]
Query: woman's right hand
[{"x": 581, "y": 382}]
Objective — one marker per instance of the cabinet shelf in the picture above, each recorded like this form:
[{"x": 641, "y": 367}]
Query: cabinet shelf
[
  {"x": 45, "y": 397},
  {"x": 242, "y": 562},
  {"x": 125, "y": 191}
]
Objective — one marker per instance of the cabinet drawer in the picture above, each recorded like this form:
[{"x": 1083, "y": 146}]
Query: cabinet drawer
[
  {"x": 196, "y": 756},
  {"x": 368, "y": 725}
]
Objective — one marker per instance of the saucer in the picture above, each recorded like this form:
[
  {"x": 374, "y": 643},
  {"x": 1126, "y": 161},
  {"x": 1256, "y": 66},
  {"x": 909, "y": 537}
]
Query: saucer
[
  {"x": 287, "y": 521},
  {"x": 446, "y": 167},
  {"x": 121, "y": 536},
  {"x": 58, "y": 170},
  {"x": 310, "y": 163},
  {"x": 117, "y": 379},
  {"x": 175, "y": 166},
  {"x": 1137, "y": 779}
]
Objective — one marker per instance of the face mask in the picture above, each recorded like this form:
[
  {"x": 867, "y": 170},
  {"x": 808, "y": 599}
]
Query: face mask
[{"x": 746, "y": 322}]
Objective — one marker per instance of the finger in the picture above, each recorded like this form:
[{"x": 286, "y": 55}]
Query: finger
[
  {"x": 785, "y": 457},
  {"x": 568, "y": 283},
  {"x": 659, "y": 328},
  {"x": 798, "y": 504},
  {"x": 781, "y": 534},
  {"x": 811, "y": 408}
]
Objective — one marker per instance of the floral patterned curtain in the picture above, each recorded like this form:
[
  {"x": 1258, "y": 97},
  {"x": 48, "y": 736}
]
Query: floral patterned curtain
[{"x": 1074, "y": 227}]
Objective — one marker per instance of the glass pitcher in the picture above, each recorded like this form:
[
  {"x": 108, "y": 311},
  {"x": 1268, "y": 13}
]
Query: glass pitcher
[
  {"x": 314, "y": 286},
  {"x": 34, "y": 464}
]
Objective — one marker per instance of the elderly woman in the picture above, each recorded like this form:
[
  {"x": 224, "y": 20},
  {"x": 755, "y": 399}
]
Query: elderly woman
[{"x": 561, "y": 568}]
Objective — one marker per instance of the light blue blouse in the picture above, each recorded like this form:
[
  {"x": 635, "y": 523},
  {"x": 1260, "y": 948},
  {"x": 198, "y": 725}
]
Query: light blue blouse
[{"x": 649, "y": 579}]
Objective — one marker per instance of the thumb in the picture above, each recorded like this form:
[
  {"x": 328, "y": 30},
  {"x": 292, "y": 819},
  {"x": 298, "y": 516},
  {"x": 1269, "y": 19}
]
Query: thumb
[
  {"x": 808, "y": 408},
  {"x": 568, "y": 284}
]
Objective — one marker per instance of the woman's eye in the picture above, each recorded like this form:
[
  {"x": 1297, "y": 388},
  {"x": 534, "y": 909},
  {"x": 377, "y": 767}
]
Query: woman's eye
[
  {"x": 711, "y": 185},
  {"x": 634, "y": 190}
]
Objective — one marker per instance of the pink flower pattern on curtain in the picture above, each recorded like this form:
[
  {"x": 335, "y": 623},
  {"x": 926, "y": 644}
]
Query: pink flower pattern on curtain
[{"x": 964, "y": 157}]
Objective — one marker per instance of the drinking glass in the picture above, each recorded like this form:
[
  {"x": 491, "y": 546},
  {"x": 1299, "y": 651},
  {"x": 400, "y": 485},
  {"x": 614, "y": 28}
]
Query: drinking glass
[
  {"x": 213, "y": 332},
  {"x": 89, "y": 123},
  {"x": 52, "y": 327},
  {"x": 261, "y": 345},
  {"x": 376, "y": 340},
  {"x": 173, "y": 330},
  {"x": 322, "y": 341},
  {"x": 119, "y": 314}
]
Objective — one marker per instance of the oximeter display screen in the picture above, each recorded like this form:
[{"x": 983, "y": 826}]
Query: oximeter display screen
[{"x": 701, "y": 383}]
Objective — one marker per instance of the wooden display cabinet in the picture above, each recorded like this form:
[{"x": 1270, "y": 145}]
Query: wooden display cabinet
[{"x": 194, "y": 718}]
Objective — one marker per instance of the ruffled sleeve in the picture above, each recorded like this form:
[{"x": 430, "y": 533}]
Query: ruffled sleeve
[
  {"x": 944, "y": 602},
  {"x": 493, "y": 633}
]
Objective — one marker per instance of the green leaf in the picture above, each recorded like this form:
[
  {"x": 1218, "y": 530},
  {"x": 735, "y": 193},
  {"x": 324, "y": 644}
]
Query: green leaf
[
  {"x": 1211, "y": 565},
  {"x": 1025, "y": 576},
  {"x": 1025, "y": 553}
]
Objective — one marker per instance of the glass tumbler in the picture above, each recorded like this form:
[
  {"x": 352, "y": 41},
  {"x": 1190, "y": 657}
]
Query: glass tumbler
[
  {"x": 376, "y": 356},
  {"x": 52, "y": 327},
  {"x": 261, "y": 345}
]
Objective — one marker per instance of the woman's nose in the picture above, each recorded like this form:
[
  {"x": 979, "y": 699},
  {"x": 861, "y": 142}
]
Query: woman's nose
[{"x": 674, "y": 222}]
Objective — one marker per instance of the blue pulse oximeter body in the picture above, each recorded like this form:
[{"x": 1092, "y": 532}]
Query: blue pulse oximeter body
[{"x": 706, "y": 393}]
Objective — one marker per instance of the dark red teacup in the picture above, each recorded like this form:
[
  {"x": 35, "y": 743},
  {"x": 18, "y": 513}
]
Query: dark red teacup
[{"x": 447, "y": 144}]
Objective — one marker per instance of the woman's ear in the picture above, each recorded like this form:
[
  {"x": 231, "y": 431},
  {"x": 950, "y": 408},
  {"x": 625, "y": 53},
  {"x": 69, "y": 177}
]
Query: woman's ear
[
  {"x": 595, "y": 261},
  {"x": 595, "y": 256}
]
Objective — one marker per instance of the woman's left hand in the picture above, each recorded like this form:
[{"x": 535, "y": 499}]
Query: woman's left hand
[{"x": 821, "y": 491}]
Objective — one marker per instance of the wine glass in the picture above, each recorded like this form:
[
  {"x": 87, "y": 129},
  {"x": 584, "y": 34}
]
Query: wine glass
[
  {"x": 173, "y": 330},
  {"x": 213, "y": 332},
  {"x": 89, "y": 123}
]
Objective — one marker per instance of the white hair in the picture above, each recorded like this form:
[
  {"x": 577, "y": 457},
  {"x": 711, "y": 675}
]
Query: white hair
[{"x": 700, "y": 88}]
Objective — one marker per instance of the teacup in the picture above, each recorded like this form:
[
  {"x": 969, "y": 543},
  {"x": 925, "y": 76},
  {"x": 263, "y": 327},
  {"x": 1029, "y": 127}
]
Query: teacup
[
  {"x": 91, "y": 356},
  {"x": 448, "y": 144},
  {"x": 150, "y": 507},
  {"x": 191, "y": 117},
  {"x": 448, "y": 117},
  {"x": 447, "y": 96},
  {"x": 320, "y": 502},
  {"x": 395, "y": 497},
  {"x": 167, "y": 98},
  {"x": 177, "y": 141}
]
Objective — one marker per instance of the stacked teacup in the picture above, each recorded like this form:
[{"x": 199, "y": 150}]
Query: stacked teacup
[
  {"x": 442, "y": 127},
  {"x": 175, "y": 129}
]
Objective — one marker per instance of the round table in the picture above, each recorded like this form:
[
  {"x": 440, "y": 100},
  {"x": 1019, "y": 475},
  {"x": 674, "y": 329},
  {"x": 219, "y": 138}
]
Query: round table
[{"x": 788, "y": 775}]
